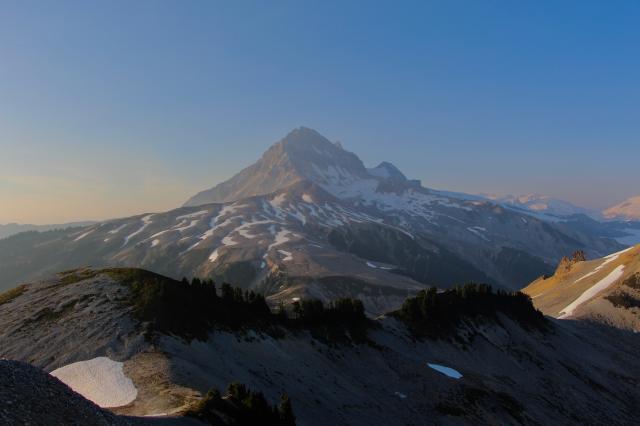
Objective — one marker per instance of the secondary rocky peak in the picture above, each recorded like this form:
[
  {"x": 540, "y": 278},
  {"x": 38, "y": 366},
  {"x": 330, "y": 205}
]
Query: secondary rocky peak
[{"x": 387, "y": 170}]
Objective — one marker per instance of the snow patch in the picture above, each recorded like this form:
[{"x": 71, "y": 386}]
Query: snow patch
[
  {"x": 244, "y": 229},
  {"x": 214, "y": 256},
  {"x": 281, "y": 237},
  {"x": 146, "y": 221},
  {"x": 228, "y": 241},
  {"x": 214, "y": 225},
  {"x": 192, "y": 215},
  {"x": 287, "y": 255},
  {"x": 118, "y": 229},
  {"x": 100, "y": 380},
  {"x": 607, "y": 259},
  {"x": 84, "y": 235},
  {"x": 447, "y": 371},
  {"x": 478, "y": 231},
  {"x": 374, "y": 266},
  {"x": 592, "y": 291},
  {"x": 278, "y": 200}
]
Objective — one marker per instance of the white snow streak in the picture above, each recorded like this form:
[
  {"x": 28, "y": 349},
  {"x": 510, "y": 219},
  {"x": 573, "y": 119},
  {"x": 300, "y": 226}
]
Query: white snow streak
[
  {"x": 84, "y": 235},
  {"x": 118, "y": 229},
  {"x": 214, "y": 256},
  {"x": 192, "y": 215},
  {"x": 447, "y": 371},
  {"x": 228, "y": 241},
  {"x": 593, "y": 290},
  {"x": 287, "y": 255},
  {"x": 607, "y": 259},
  {"x": 478, "y": 231}
]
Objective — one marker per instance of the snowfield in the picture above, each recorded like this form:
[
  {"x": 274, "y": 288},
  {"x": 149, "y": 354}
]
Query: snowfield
[
  {"x": 146, "y": 221},
  {"x": 100, "y": 380},
  {"x": 447, "y": 371},
  {"x": 593, "y": 290}
]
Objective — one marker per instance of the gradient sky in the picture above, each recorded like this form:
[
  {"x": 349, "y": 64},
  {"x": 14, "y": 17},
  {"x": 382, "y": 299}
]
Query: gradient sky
[{"x": 116, "y": 108}]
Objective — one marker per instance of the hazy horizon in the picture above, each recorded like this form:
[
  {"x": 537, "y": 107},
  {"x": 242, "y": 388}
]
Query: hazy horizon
[{"x": 115, "y": 109}]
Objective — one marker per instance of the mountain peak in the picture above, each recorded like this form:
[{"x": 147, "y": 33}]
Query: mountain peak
[
  {"x": 305, "y": 155},
  {"x": 629, "y": 209},
  {"x": 304, "y": 135},
  {"x": 387, "y": 170}
]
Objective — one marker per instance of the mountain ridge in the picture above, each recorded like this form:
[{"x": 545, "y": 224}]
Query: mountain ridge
[
  {"x": 479, "y": 370},
  {"x": 309, "y": 219},
  {"x": 605, "y": 290}
]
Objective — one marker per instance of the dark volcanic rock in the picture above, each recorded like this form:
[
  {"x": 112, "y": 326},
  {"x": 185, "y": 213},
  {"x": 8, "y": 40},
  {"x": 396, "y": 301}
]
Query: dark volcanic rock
[{"x": 30, "y": 396}]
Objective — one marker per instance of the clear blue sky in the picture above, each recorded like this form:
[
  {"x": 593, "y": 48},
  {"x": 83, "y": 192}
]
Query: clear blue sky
[{"x": 113, "y": 108}]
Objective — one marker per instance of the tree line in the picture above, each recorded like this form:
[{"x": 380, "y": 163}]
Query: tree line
[
  {"x": 432, "y": 312},
  {"x": 244, "y": 406}
]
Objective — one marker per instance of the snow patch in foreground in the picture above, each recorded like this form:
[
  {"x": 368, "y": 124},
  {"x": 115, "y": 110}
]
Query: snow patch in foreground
[
  {"x": 374, "y": 266},
  {"x": 100, "y": 380},
  {"x": 447, "y": 371},
  {"x": 592, "y": 291}
]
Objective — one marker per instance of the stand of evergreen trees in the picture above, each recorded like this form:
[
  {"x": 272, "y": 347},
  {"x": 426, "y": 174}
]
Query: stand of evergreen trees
[
  {"x": 333, "y": 321},
  {"x": 244, "y": 407},
  {"x": 436, "y": 313},
  {"x": 191, "y": 308}
]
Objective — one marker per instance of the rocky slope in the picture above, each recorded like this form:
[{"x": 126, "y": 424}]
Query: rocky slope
[
  {"x": 487, "y": 370},
  {"x": 309, "y": 219},
  {"x": 605, "y": 290},
  {"x": 30, "y": 396}
]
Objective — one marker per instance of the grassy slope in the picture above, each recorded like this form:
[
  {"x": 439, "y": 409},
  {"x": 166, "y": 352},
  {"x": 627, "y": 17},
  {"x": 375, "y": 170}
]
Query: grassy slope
[{"x": 554, "y": 293}]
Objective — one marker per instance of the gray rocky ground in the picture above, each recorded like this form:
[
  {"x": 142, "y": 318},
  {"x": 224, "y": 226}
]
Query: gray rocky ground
[{"x": 573, "y": 372}]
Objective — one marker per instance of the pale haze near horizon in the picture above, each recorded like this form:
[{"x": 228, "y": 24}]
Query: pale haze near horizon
[{"x": 117, "y": 109}]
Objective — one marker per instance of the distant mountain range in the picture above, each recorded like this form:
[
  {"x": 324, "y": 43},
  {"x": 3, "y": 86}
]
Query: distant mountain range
[
  {"x": 544, "y": 205},
  {"x": 15, "y": 228},
  {"x": 308, "y": 219}
]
